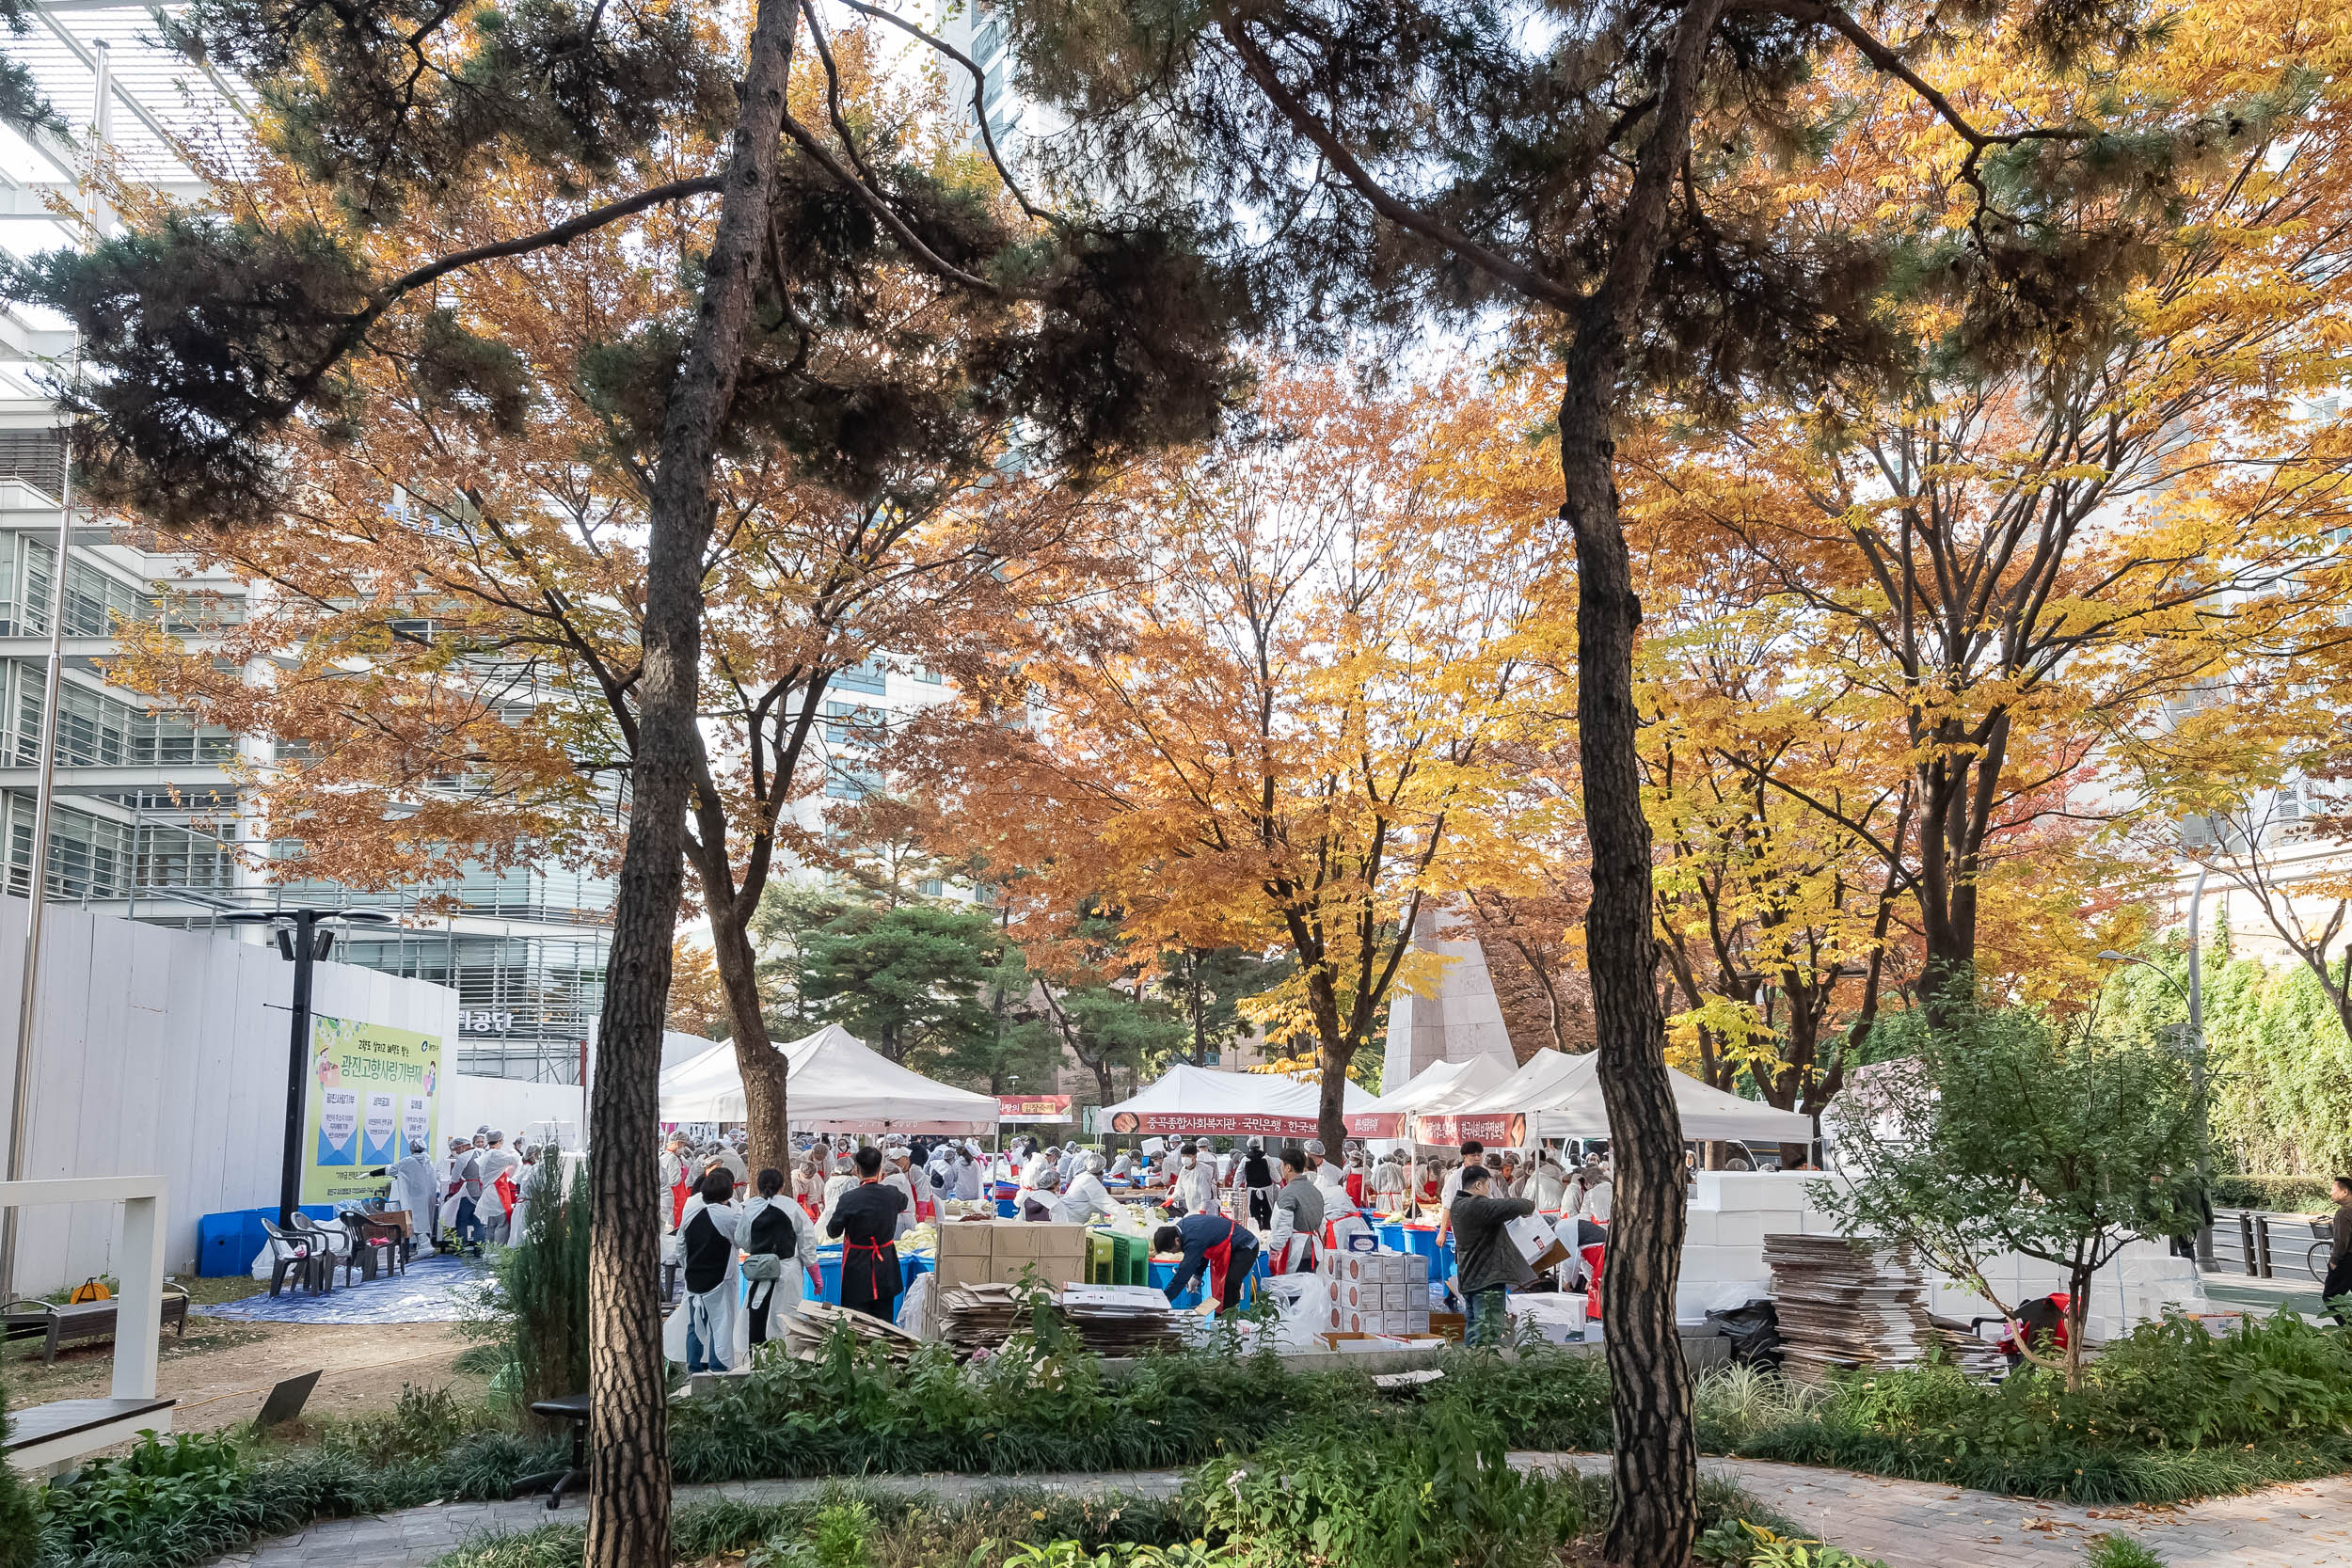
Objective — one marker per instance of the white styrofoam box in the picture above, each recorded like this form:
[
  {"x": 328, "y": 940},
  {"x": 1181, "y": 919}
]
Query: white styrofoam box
[
  {"x": 1704, "y": 1262},
  {"x": 1739, "y": 1228},
  {"x": 1329, "y": 1263},
  {"x": 1399, "y": 1298},
  {"x": 1560, "y": 1318},
  {"x": 1698, "y": 1227},
  {"x": 1358, "y": 1295}
]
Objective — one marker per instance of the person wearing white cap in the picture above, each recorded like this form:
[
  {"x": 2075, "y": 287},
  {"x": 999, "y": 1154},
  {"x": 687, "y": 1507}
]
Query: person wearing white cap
[
  {"x": 898, "y": 1173},
  {"x": 842, "y": 1180},
  {"x": 1040, "y": 1200},
  {"x": 413, "y": 1189},
  {"x": 1327, "y": 1174},
  {"x": 1388, "y": 1184},
  {"x": 967, "y": 1175},
  {"x": 1196, "y": 1183},
  {"x": 1549, "y": 1185},
  {"x": 492, "y": 1163},
  {"x": 1040, "y": 1163},
  {"x": 1087, "y": 1199}
]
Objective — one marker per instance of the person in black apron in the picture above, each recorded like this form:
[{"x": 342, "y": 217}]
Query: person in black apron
[
  {"x": 867, "y": 1220},
  {"x": 1257, "y": 1174}
]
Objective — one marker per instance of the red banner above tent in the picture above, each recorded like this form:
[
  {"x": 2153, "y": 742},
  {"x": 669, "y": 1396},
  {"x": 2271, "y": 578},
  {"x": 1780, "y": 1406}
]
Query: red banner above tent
[
  {"x": 1033, "y": 1107},
  {"x": 1228, "y": 1124},
  {"x": 1503, "y": 1131}
]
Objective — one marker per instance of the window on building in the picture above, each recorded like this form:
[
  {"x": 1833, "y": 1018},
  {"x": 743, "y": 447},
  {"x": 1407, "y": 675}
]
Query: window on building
[{"x": 870, "y": 676}]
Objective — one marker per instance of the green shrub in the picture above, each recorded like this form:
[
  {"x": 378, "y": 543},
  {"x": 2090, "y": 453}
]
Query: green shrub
[
  {"x": 533, "y": 1314},
  {"x": 2120, "y": 1551},
  {"x": 2168, "y": 1413},
  {"x": 1740, "y": 1544},
  {"x": 21, "y": 1511},
  {"x": 2286, "y": 1194},
  {"x": 1442, "y": 1494}
]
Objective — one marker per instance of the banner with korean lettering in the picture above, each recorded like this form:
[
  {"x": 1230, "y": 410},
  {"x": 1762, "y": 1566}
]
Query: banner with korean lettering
[
  {"x": 373, "y": 1089},
  {"x": 1033, "y": 1107}
]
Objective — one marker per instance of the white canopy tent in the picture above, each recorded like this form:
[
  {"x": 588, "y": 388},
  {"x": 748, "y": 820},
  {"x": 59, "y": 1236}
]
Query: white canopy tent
[
  {"x": 1231, "y": 1104},
  {"x": 837, "y": 1084},
  {"x": 1557, "y": 1096},
  {"x": 1438, "y": 1086}
]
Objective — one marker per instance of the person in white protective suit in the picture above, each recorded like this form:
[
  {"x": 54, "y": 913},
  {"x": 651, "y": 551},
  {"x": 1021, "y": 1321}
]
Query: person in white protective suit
[
  {"x": 1549, "y": 1185},
  {"x": 1037, "y": 1164},
  {"x": 1298, "y": 1223},
  {"x": 1388, "y": 1184},
  {"x": 844, "y": 1177},
  {"x": 1196, "y": 1182},
  {"x": 899, "y": 1172},
  {"x": 708, "y": 1331},
  {"x": 417, "y": 1188},
  {"x": 967, "y": 1176},
  {"x": 492, "y": 1163},
  {"x": 1087, "y": 1199},
  {"x": 1041, "y": 1201},
  {"x": 779, "y": 1255}
]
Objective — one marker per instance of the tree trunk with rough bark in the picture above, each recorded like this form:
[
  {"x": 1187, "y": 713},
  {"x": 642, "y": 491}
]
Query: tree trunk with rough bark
[
  {"x": 1331, "y": 1100},
  {"x": 766, "y": 1082},
  {"x": 628, "y": 1460},
  {"x": 1655, "y": 1446}
]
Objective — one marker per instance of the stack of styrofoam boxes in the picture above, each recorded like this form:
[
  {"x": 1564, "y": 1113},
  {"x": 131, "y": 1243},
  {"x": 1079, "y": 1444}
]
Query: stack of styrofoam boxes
[
  {"x": 1732, "y": 1212},
  {"x": 1729, "y": 1215},
  {"x": 1378, "y": 1292}
]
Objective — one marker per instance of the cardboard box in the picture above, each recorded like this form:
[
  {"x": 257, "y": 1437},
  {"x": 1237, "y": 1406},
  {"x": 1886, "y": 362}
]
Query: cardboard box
[
  {"x": 956, "y": 1271},
  {"x": 1058, "y": 1265},
  {"x": 1399, "y": 1298},
  {"x": 1015, "y": 1238},
  {"x": 966, "y": 1239},
  {"x": 1450, "y": 1326},
  {"x": 1349, "y": 1342}
]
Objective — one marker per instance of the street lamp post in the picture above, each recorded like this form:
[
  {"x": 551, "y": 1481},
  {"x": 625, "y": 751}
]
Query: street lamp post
[
  {"x": 304, "y": 938},
  {"x": 2194, "y": 994}
]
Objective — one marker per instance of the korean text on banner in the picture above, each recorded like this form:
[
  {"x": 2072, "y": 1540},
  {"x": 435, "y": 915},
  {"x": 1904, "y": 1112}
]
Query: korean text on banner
[{"x": 372, "y": 1090}]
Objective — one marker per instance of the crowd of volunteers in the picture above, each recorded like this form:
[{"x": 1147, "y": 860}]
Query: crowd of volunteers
[{"x": 745, "y": 1245}]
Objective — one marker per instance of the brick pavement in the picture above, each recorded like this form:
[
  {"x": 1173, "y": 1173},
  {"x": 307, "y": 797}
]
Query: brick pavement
[
  {"x": 1912, "y": 1524},
  {"x": 1904, "y": 1524}
]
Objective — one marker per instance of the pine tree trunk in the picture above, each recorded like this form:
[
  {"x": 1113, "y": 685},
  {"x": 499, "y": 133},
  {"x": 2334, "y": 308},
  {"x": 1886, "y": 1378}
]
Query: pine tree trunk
[
  {"x": 629, "y": 1504},
  {"x": 765, "y": 1078},
  {"x": 1656, "y": 1451},
  {"x": 1655, "y": 1446}
]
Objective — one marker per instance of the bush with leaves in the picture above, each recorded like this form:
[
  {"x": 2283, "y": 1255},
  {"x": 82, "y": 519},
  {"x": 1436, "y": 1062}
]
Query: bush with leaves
[
  {"x": 2009, "y": 1132},
  {"x": 533, "y": 1314},
  {"x": 2168, "y": 1413},
  {"x": 20, "y": 1511}
]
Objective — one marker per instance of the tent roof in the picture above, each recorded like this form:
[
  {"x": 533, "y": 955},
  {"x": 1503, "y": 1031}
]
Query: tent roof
[
  {"x": 837, "y": 1084},
  {"x": 1438, "y": 1086},
  {"x": 1557, "y": 1096},
  {"x": 1195, "y": 1100}
]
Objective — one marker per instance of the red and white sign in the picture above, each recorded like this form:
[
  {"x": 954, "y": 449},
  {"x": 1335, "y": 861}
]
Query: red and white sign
[
  {"x": 1224, "y": 1123},
  {"x": 1033, "y": 1107},
  {"x": 1500, "y": 1129}
]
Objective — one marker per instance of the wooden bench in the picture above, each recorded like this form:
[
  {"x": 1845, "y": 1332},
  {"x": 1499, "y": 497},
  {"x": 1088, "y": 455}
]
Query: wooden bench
[
  {"x": 48, "y": 1434},
  {"x": 89, "y": 1320}
]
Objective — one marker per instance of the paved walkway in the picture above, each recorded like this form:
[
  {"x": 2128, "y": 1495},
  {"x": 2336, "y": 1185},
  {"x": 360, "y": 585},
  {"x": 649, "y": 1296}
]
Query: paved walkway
[
  {"x": 1910, "y": 1525},
  {"x": 1904, "y": 1524}
]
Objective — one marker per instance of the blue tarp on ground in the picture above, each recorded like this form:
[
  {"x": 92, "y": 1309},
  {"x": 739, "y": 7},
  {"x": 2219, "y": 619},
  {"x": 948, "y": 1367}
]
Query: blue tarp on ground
[{"x": 431, "y": 1291}]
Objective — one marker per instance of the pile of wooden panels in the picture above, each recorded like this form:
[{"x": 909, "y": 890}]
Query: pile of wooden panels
[
  {"x": 805, "y": 1330},
  {"x": 1845, "y": 1303}
]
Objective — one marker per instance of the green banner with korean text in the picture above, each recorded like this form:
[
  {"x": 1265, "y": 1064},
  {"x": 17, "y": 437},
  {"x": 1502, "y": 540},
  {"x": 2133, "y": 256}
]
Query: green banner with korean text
[{"x": 372, "y": 1090}]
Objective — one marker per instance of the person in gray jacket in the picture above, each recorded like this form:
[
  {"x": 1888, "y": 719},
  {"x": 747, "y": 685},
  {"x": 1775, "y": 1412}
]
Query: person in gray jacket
[
  {"x": 1487, "y": 1261},
  {"x": 1290, "y": 1242}
]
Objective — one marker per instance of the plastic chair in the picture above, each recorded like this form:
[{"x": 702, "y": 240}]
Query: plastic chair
[
  {"x": 298, "y": 1256},
  {"x": 332, "y": 1242},
  {"x": 376, "y": 1245}
]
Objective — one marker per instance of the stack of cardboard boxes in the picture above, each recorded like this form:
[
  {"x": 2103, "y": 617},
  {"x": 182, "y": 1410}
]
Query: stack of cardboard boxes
[
  {"x": 997, "y": 1252},
  {"x": 1378, "y": 1292}
]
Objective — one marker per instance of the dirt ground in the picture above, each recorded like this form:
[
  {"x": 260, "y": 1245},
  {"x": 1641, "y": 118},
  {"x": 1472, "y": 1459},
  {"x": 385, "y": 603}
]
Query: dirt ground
[{"x": 223, "y": 1369}]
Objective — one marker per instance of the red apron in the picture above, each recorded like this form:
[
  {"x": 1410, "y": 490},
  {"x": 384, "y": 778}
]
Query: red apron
[
  {"x": 873, "y": 1269},
  {"x": 1356, "y": 1188},
  {"x": 508, "y": 1196},
  {"x": 679, "y": 1195},
  {"x": 1220, "y": 1260}
]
